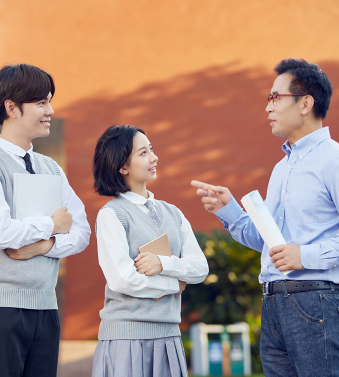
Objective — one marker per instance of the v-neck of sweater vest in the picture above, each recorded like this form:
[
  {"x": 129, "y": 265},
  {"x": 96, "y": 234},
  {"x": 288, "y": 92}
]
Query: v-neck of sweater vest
[
  {"x": 155, "y": 223},
  {"x": 4, "y": 155}
]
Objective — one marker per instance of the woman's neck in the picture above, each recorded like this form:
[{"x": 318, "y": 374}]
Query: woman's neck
[{"x": 140, "y": 190}]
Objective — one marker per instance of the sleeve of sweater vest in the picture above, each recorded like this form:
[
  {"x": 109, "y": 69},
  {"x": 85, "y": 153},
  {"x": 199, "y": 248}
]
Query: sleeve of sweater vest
[
  {"x": 192, "y": 267},
  {"x": 77, "y": 239},
  {"x": 117, "y": 266}
]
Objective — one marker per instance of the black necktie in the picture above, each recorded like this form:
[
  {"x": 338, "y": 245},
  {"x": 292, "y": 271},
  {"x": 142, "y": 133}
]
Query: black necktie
[{"x": 28, "y": 163}]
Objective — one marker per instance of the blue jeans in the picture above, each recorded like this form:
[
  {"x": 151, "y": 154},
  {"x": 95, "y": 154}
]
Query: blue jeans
[{"x": 300, "y": 334}]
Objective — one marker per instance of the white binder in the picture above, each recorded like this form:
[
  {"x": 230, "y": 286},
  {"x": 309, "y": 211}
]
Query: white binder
[{"x": 36, "y": 195}]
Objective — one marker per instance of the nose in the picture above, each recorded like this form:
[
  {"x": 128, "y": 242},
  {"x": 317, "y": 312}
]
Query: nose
[
  {"x": 269, "y": 107},
  {"x": 49, "y": 110},
  {"x": 154, "y": 157}
]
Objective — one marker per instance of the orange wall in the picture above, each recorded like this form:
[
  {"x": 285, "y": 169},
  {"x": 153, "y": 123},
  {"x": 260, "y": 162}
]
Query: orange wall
[{"x": 193, "y": 73}]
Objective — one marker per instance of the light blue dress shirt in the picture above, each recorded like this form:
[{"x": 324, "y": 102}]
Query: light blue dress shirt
[{"x": 303, "y": 197}]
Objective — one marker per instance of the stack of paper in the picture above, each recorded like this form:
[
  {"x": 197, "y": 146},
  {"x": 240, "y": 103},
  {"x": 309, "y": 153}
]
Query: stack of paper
[
  {"x": 263, "y": 220},
  {"x": 36, "y": 195}
]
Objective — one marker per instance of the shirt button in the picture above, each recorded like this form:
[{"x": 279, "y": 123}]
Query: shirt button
[
  {"x": 335, "y": 265},
  {"x": 280, "y": 217},
  {"x": 289, "y": 166},
  {"x": 283, "y": 191},
  {"x": 311, "y": 264},
  {"x": 264, "y": 265},
  {"x": 300, "y": 156}
]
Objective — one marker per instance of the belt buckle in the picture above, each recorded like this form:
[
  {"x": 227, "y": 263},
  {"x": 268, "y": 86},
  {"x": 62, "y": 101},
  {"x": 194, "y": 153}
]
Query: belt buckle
[{"x": 265, "y": 288}]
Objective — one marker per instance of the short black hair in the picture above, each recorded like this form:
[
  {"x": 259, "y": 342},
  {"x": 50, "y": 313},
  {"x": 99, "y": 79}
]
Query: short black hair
[
  {"x": 308, "y": 78},
  {"x": 23, "y": 83},
  {"x": 111, "y": 154}
]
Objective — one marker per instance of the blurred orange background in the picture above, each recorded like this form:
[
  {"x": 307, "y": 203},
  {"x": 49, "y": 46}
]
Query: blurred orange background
[{"x": 194, "y": 74}]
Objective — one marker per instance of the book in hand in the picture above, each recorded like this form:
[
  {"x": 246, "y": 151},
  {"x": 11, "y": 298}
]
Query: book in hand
[
  {"x": 36, "y": 195},
  {"x": 159, "y": 246},
  {"x": 263, "y": 220}
]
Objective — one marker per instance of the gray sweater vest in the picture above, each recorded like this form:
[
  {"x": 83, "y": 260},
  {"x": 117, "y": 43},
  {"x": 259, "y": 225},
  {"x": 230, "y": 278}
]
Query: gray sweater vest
[
  {"x": 126, "y": 317},
  {"x": 26, "y": 284}
]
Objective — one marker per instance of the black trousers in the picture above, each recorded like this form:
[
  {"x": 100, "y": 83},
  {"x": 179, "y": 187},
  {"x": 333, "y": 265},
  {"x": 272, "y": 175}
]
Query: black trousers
[{"x": 29, "y": 342}]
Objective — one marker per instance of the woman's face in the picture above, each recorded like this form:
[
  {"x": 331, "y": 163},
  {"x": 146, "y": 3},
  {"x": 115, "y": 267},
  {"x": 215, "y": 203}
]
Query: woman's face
[{"x": 141, "y": 166}]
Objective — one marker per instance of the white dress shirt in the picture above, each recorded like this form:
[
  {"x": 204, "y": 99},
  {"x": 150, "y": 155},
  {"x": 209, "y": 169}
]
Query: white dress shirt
[
  {"x": 119, "y": 269},
  {"x": 18, "y": 233}
]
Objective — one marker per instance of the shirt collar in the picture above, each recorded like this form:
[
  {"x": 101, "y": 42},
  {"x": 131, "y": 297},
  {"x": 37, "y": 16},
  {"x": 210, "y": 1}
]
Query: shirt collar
[
  {"x": 15, "y": 149},
  {"x": 138, "y": 199},
  {"x": 308, "y": 142}
]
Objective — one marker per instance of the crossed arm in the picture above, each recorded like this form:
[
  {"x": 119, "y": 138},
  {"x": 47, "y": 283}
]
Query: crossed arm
[
  {"x": 66, "y": 233},
  {"x": 62, "y": 224},
  {"x": 147, "y": 276}
]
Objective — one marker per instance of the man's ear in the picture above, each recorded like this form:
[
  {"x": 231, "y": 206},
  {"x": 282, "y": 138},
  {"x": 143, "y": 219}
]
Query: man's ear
[
  {"x": 123, "y": 170},
  {"x": 306, "y": 104},
  {"x": 11, "y": 109}
]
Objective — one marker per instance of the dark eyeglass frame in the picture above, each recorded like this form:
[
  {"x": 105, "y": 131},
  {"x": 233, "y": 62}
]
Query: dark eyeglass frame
[{"x": 274, "y": 97}]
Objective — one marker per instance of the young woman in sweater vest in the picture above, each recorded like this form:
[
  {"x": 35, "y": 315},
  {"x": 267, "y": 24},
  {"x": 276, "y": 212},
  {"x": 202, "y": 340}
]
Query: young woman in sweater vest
[{"x": 139, "y": 336}]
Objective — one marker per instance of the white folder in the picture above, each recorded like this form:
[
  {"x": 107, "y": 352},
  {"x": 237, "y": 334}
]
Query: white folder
[
  {"x": 36, "y": 195},
  {"x": 263, "y": 220}
]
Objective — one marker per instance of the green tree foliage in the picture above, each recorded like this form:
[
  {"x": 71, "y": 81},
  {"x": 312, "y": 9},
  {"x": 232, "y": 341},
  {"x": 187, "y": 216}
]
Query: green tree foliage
[{"x": 231, "y": 292}]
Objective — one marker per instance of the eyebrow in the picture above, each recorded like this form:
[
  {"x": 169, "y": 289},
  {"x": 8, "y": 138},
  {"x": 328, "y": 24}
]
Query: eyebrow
[
  {"x": 144, "y": 147},
  {"x": 45, "y": 99}
]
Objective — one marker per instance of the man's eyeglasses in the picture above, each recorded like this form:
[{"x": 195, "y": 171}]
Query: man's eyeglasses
[{"x": 274, "y": 97}]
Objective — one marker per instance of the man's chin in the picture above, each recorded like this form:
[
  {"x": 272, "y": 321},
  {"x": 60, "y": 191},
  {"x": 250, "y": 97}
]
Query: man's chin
[
  {"x": 275, "y": 132},
  {"x": 45, "y": 133}
]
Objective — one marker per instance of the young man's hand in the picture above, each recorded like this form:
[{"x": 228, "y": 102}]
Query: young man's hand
[
  {"x": 32, "y": 250},
  {"x": 148, "y": 264},
  {"x": 286, "y": 257},
  {"x": 62, "y": 221},
  {"x": 213, "y": 197},
  {"x": 182, "y": 286}
]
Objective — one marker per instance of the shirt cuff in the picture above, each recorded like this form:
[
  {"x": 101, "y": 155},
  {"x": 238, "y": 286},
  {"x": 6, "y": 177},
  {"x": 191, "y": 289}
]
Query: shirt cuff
[
  {"x": 61, "y": 240},
  {"x": 230, "y": 212},
  {"x": 167, "y": 266},
  {"x": 49, "y": 228},
  {"x": 310, "y": 256}
]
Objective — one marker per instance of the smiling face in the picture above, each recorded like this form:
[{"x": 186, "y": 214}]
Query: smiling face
[
  {"x": 141, "y": 165},
  {"x": 285, "y": 116},
  {"x": 34, "y": 120}
]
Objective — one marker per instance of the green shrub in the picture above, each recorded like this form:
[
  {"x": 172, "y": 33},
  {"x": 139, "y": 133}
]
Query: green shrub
[{"x": 231, "y": 292}]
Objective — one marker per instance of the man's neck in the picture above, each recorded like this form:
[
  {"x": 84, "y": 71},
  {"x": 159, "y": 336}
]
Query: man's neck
[
  {"x": 15, "y": 138},
  {"x": 304, "y": 131}
]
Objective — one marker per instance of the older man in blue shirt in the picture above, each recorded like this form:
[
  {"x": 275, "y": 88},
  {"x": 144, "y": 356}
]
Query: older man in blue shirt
[{"x": 300, "y": 314}]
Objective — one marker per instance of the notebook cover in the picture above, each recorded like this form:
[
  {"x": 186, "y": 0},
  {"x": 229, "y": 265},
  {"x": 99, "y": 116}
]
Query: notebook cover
[
  {"x": 159, "y": 246},
  {"x": 36, "y": 195}
]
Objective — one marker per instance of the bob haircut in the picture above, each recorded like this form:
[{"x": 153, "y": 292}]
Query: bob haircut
[
  {"x": 111, "y": 154},
  {"x": 23, "y": 83},
  {"x": 308, "y": 78}
]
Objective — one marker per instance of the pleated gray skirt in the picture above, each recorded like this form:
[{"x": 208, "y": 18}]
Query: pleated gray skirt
[{"x": 163, "y": 357}]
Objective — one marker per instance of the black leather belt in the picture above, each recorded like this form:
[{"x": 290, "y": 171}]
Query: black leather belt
[{"x": 293, "y": 286}]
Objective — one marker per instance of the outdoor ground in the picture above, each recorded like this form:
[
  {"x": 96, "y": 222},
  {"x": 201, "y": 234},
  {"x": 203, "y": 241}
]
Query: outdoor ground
[{"x": 75, "y": 359}]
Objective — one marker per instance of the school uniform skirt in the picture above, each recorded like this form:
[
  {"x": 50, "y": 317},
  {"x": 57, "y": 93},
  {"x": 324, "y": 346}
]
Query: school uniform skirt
[{"x": 163, "y": 357}]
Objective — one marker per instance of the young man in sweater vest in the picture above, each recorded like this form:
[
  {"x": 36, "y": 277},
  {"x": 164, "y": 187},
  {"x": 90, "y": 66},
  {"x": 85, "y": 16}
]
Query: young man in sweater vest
[{"x": 30, "y": 248}]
